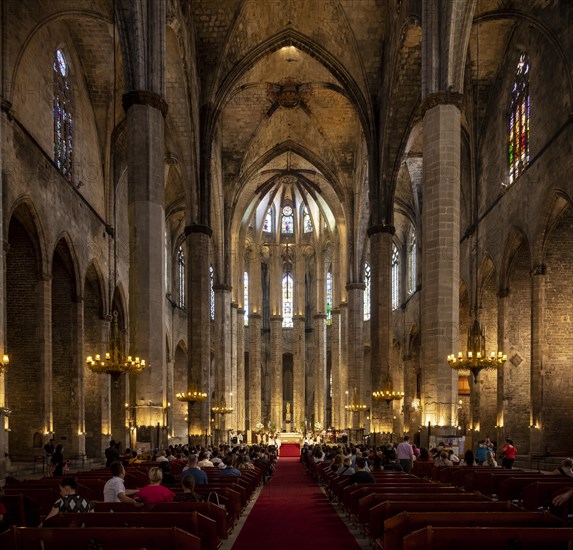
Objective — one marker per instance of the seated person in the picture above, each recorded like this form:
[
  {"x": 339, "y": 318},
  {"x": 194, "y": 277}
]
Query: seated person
[
  {"x": 114, "y": 490},
  {"x": 565, "y": 470},
  {"x": 346, "y": 469},
  {"x": 443, "y": 460},
  {"x": 424, "y": 456},
  {"x": 228, "y": 470},
  {"x": 134, "y": 459},
  {"x": 154, "y": 492},
  {"x": 188, "y": 494},
  {"x": 489, "y": 460},
  {"x": 193, "y": 470},
  {"x": 69, "y": 501},
  {"x": 361, "y": 475},
  {"x": 393, "y": 466}
]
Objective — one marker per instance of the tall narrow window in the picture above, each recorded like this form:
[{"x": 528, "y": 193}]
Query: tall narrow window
[
  {"x": 412, "y": 263},
  {"x": 181, "y": 276},
  {"x": 212, "y": 278},
  {"x": 395, "y": 277},
  {"x": 246, "y": 297},
  {"x": 63, "y": 116},
  {"x": 288, "y": 288},
  {"x": 306, "y": 221},
  {"x": 518, "y": 146},
  {"x": 287, "y": 220},
  {"x": 329, "y": 298},
  {"x": 367, "y": 291},
  {"x": 268, "y": 223}
]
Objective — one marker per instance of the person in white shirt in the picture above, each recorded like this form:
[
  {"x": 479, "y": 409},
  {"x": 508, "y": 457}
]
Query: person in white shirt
[
  {"x": 114, "y": 490},
  {"x": 405, "y": 454}
]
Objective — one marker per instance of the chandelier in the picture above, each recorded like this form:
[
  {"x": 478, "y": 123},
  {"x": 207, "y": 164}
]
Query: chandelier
[
  {"x": 115, "y": 362},
  {"x": 191, "y": 396},
  {"x": 475, "y": 360},
  {"x": 221, "y": 407},
  {"x": 387, "y": 393},
  {"x": 4, "y": 363},
  {"x": 354, "y": 405}
]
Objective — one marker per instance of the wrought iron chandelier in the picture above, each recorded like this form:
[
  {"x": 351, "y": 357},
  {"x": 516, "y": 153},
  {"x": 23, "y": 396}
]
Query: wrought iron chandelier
[
  {"x": 221, "y": 407},
  {"x": 354, "y": 405},
  {"x": 191, "y": 396},
  {"x": 387, "y": 393},
  {"x": 115, "y": 362}
]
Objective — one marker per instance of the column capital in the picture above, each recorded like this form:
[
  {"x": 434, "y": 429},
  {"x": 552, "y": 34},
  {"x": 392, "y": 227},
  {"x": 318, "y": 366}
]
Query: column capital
[
  {"x": 540, "y": 269},
  {"x": 344, "y": 305},
  {"x": 298, "y": 318},
  {"x": 222, "y": 287},
  {"x": 144, "y": 97},
  {"x": 234, "y": 305},
  {"x": 198, "y": 228},
  {"x": 381, "y": 228},
  {"x": 442, "y": 97},
  {"x": 276, "y": 318},
  {"x": 335, "y": 311},
  {"x": 6, "y": 107},
  {"x": 240, "y": 311},
  {"x": 319, "y": 316},
  {"x": 254, "y": 316},
  {"x": 355, "y": 286}
]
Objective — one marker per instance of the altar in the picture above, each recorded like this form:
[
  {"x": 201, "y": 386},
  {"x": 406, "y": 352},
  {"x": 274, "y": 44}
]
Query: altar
[{"x": 290, "y": 437}]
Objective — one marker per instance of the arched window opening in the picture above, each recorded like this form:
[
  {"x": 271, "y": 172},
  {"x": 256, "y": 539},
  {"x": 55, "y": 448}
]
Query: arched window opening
[
  {"x": 63, "y": 115},
  {"x": 329, "y": 298},
  {"x": 288, "y": 288},
  {"x": 246, "y": 297},
  {"x": 181, "y": 276},
  {"x": 212, "y": 280},
  {"x": 412, "y": 258},
  {"x": 306, "y": 221},
  {"x": 367, "y": 290},
  {"x": 395, "y": 277},
  {"x": 268, "y": 223},
  {"x": 287, "y": 221},
  {"x": 518, "y": 146}
]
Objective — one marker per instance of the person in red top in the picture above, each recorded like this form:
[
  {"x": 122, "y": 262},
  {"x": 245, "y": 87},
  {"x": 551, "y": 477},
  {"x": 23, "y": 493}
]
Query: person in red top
[
  {"x": 508, "y": 452},
  {"x": 154, "y": 492}
]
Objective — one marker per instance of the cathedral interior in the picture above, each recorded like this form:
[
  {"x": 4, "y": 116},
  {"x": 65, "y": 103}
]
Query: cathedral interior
[{"x": 291, "y": 213}]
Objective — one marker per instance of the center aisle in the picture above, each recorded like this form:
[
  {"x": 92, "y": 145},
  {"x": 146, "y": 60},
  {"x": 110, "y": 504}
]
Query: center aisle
[{"x": 293, "y": 513}]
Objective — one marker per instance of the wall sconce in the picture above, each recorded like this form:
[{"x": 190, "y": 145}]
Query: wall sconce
[{"x": 4, "y": 364}]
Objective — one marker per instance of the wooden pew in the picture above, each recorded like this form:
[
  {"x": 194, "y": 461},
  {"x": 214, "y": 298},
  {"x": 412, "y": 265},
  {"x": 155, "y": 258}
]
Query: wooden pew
[
  {"x": 71, "y": 538},
  {"x": 478, "y": 538},
  {"x": 487, "y": 480},
  {"x": 540, "y": 493},
  {"x": 398, "y": 526},
  {"x": 381, "y": 511},
  {"x": 219, "y": 515},
  {"x": 193, "y": 522},
  {"x": 21, "y": 510},
  {"x": 511, "y": 488}
]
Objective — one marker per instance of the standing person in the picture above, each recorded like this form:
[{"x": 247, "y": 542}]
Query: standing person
[
  {"x": 111, "y": 454},
  {"x": 57, "y": 462},
  {"x": 49, "y": 449},
  {"x": 69, "y": 501},
  {"x": 508, "y": 453},
  {"x": 114, "y": 490},
  {"x": 405, "y": 454},
  {"x": 481, "y": 451}
]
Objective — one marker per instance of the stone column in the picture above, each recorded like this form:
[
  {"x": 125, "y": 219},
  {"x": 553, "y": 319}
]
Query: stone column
[
  {"x": 344, "y": 378},
  {"x": 45, "y": 287},
  {"x": 276, "y": 371},
  {"x": 240, "y": 399},
  {"x": 440, "y": 255},
  {"x": 355, "y": 345},
  {"x": 381, "y": 321},
  {"x": 223, "y": 378},
  {"x": 199, "y": 327},
  {"x": 232, "y": 420},
  {"x": 145, "y": 168},
  {"x": 502, "y": 323},
  {"x": 538, "y": 352},
  {"x": 77, "y": 445},
  {"x": 298, "y": 374},
  {"x": 335, "y": 365},
  {"x": 255, "y": 406},
  {"x": 319, "y": 332}
]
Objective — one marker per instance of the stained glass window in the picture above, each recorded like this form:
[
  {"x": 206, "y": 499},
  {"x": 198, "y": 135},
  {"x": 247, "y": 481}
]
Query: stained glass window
[
  {"x": 287, "y": 222},
  {"x": 268, "y": 223},
  {"x": 518, "y": 145},
  {"x": 306, "y": 221},
  {"x": 328, "y": 298},
  {"x": 367, "y": 290},
  {"x": 288, "y": 287},
  {"x": 63, "y": 115},
  {"x": 181, "y": 276},
  {"x": 412, "y": 263},
  {"x": 246, "y": 297},
  {"x": 395, "y": 277},
  {"x": 212, "y": 277}
]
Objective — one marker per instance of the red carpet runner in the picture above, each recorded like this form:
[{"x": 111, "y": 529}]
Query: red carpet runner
[
  {"x": 289, "y": 449},
  {"x": 293, "y": 513}
]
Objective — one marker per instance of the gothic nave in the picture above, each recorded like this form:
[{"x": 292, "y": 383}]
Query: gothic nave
[{"x": 292, "y": 208}]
